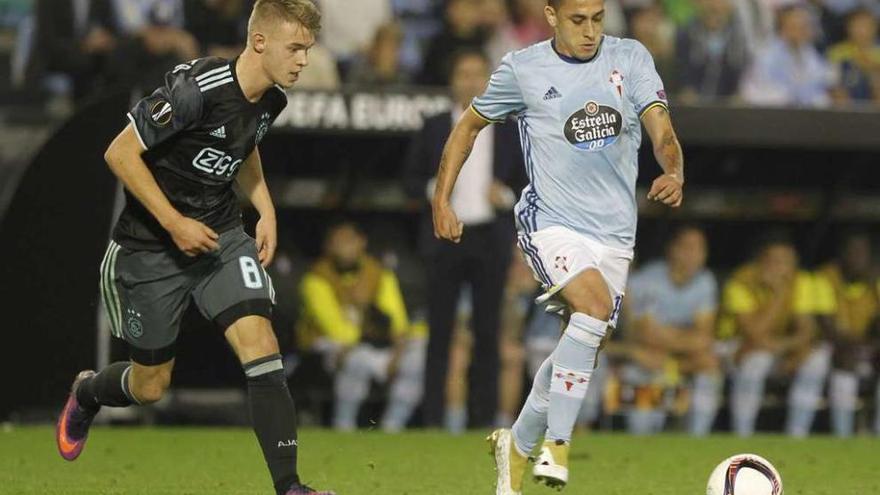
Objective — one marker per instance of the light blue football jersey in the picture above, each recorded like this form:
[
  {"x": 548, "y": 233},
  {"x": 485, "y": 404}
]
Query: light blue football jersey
[
  {"x": 652, "y": 293},
  {"x": 580, "y": 129}
]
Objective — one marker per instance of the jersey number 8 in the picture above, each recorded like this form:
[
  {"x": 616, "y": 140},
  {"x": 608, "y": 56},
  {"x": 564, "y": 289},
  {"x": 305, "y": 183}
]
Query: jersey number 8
[{"x": 250, "y": 272}]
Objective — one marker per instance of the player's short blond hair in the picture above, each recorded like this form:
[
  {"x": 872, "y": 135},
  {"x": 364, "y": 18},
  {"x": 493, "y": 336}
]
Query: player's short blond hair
[{"x": 302, "y": 11}]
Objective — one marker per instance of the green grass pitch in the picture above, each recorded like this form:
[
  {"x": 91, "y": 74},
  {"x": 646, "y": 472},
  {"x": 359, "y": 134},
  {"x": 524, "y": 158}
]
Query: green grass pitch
[{"x": 227, "y": 461}]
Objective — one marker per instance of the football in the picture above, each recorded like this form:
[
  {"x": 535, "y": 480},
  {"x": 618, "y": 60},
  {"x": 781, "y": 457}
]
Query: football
[{"x": 745, "y": 474}]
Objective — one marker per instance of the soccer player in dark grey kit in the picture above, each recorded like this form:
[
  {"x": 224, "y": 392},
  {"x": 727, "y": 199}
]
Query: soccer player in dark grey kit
[{"x": 180, "y": 236}]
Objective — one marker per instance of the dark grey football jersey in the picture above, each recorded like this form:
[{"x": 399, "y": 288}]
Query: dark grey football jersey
[{"x": 197, "y": 131}]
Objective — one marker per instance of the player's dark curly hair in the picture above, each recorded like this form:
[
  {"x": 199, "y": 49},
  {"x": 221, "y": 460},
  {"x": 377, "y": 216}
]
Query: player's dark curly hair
[{"x": 302, "y": 11}]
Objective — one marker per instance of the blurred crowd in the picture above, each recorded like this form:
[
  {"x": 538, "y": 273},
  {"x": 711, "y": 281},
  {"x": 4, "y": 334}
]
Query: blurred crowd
[
  {"x": 690, "y": 353},
  {"x": 812, "y": 53}
]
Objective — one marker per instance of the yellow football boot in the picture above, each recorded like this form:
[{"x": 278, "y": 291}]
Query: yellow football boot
[
  {"x": 510, "y": 464},
  {"x": 551, "y": 466}
]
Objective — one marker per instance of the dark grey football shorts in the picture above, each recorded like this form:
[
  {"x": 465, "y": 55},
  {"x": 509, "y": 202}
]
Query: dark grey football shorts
[{"x": 146, "y": 292}]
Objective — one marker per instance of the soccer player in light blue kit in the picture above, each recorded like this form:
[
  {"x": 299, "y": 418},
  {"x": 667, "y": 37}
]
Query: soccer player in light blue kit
[{"x": 580, "y": 99}]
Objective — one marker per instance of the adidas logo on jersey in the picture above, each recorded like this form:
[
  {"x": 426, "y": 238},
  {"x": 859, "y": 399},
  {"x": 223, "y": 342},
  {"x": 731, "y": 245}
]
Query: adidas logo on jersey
[
  {"x": 219, "y": 132},
  {"x": 552, "y": 93}
]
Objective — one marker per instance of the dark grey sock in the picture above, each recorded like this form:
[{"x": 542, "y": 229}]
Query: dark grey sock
[
  {"x": 107, "y": 388},
  {"x": 274, "y": 419}
]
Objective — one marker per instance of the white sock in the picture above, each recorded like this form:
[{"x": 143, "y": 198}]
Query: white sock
[{"x": 573, "y": 363}]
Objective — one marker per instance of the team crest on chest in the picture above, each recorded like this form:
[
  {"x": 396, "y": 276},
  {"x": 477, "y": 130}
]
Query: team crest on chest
[{"x": 263, "y": 126}]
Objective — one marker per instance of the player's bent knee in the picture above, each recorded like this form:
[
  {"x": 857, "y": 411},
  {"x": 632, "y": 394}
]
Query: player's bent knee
[
  {"x": 600, "y": 312},
  {"x": 588, "y": 294},
  {"x": 598, "y": 309}
]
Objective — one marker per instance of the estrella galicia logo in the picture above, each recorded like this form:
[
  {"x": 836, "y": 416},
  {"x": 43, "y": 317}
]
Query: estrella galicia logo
[
  {"x": 160, "y": 112},
  {"x": 593, "y": 127}
]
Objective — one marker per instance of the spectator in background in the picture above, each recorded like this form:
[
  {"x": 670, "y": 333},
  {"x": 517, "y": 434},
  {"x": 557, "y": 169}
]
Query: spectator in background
[
  {"x": 672, "y": 309},
  {"x": 850, "y": 317},
  {"x": 491, "y": 179},
  {"x": 649, "y": 26},
  {"x": 770, "y": 305},
  {"x": 857, "y": 59},
  {"x": 530, "y": 23},
  {"x": 463, "y": 31},
  {"x": 615, "y": 19},
  {"x": 712, "y": 53},
  {"x": 353, "y": 313},
  {"x": 420, "y": 21},
  {"x": 161, "y": 26},
  {"x": 500, "y": 30},
  {"x": 833, "y": 17},
  {"x": 380, "y": 65},
  {"x": 286, "y": 272},
  {"x": 219, "y": 26},
  {"x": 74, "y": 39},
  {"x": 756, "y": 17},
  {"x": 516, "y": 304},
  {"x": 348, "y": 27},
  {"x": 789, "y": 70},
  {"x": 460, "y": 356},
  {"x": 156, "y": 39}
]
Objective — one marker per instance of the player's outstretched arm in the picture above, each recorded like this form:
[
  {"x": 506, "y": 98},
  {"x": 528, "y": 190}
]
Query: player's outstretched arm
[
  {"x": 455, "y": 153},
  {"x": 668, "y": 188},
  {"x": 253, "y": 185},
  {"x": 124, "y": 159}
]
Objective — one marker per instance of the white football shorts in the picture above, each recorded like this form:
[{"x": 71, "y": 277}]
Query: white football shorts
[{"x": 557, "y": 254}]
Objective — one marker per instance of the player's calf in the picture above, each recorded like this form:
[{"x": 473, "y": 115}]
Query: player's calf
[
  {"x": 271, "y": 406},
  {"x": 274, "y": 419},
  {"x": 574, "y": 360},
  {"x": 111, "y": 387},
  {"x": 149, "y": 383}
]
